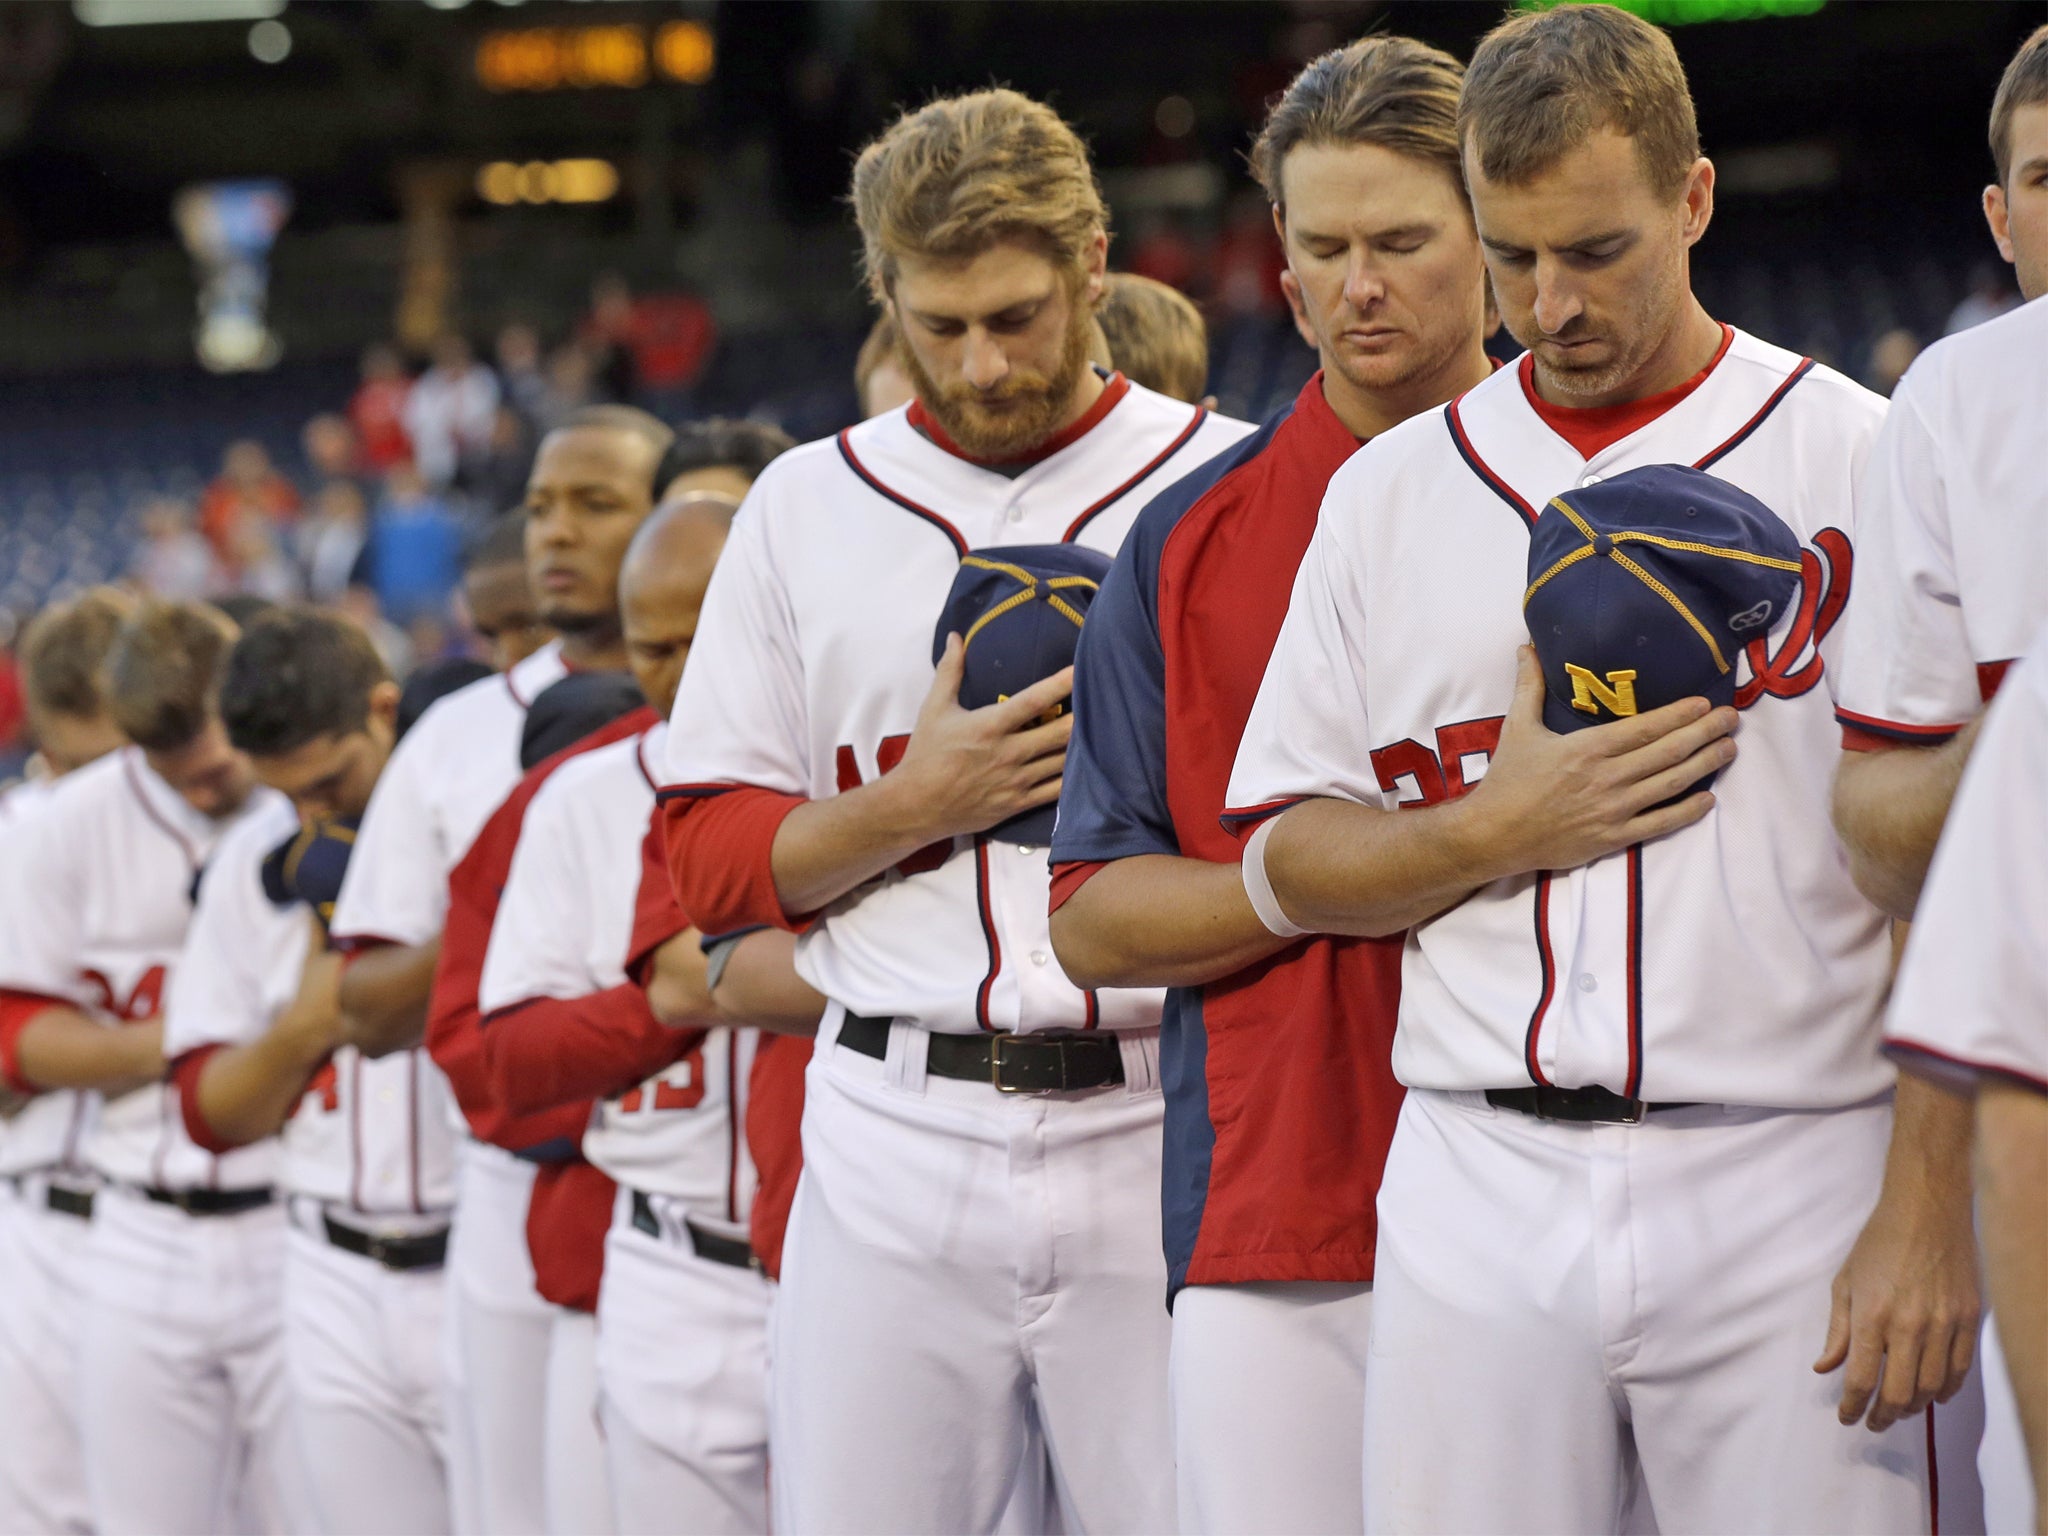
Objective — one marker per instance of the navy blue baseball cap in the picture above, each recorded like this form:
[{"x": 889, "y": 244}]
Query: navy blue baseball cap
[
  {"x": 1644, "y": 588},
  {"x": 1020, "y": 609},
  {"x": 308, "y": 865}
]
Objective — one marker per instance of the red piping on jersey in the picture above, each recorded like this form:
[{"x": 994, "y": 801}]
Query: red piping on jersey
[
  {"x": 732, "y": 1126},
  {"x": 1549, "y": 980},
  {"x": 988, "y": 932},
  {"x": 1805, "y": 367},
  {"x": 1237, "y": 822},
  {"x": 1194, "y": 425},
  {"x": 412, "y": 1124},
  {"x": 512, "y": 689},
  {"x": 1478, "y": 466},
  {"x": 1635, "y": 972},
  {"x": 142, "y": 795},
  {"x": 867, "y": 479},
  {"x": 1991, "y": 677},
  {"x": 1898, "y": 1046},
  {"x": 1895, "y": 730},
  {"x": 355, "y": 1131},
  {"x": 183, "y": 1076},
  {"x": 640, "y": 762},
  {"x": 1933, "y": 1479}
]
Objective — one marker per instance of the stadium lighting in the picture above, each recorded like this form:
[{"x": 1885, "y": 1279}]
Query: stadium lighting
[
  {"x": 270, "y": 41},
  {"x": 506, "y": 182},
  {"x": 135, "y": 13},
  {"x": 620, "y": 55}
]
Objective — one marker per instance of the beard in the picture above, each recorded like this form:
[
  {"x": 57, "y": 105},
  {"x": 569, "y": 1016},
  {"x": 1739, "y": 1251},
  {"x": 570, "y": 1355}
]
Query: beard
[
  {"x": 1632, "y": 339},
  {"x": 1034, "y": 403}
]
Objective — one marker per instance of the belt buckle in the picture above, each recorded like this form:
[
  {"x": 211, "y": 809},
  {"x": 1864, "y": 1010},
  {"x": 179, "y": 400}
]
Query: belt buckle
[
  {"x": 1632, "y": 1111},
  {"x": 995, "y": 1065},
  {"x": 376, "y": 1250}
]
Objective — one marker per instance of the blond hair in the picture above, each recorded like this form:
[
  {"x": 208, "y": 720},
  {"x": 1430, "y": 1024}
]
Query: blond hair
[
  {"x": 164, "y": 672},
  {"x": 1541, "y": 84},
  {"x": 64, "y": 649},
  {"x": 956, "y": 176},
  {"x": 1156, "y": 335},
  {"x": 2024, "y": 84},
  {"x": 1390, "y": 91}
]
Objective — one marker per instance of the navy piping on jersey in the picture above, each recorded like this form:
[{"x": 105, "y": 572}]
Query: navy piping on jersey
[
  {"x": 1194, "y": 424},
  {"x": 1479, "y": 467},
  {"x": 696, "y": 791},
  {"x": 867, "y": 479},
  {"x": 1912, "y": 735},
  {"x": 1953, "y": 1066},
  {"x": 1549, "y": 964},
  {"x": 412, "y": 1089},
  {"x": 1805, "y": 367},
  {"x": 988, "y": 932},
  {"x": 1634, "y": 1082},
  {"x": 184, "y": 843},
  {"x": 355, "y": 1132},
  {"x": 732, "y": 1128}
]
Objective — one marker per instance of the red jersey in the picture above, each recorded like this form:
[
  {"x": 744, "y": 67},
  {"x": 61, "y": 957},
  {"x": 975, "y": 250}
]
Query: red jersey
[{"x": 1280, "y": 1096}]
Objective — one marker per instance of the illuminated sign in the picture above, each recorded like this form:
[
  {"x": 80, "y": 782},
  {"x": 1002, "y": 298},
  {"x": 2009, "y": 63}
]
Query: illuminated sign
[
  {"x": 585, "y": 58},
  {"x": 505, "y": 182},
  {"x": 1679, "y": 13}
]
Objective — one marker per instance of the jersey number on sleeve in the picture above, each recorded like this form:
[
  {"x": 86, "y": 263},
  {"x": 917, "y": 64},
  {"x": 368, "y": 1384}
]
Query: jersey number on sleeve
[
  {"x": 1438, "y": 775},
  {"x": 140, "y": 1004},
  {"x": 887, "y": 756},
  {"x": 681, "y": 1086}
]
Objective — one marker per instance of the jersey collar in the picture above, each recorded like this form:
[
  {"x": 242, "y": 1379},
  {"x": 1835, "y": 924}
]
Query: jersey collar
[{"x": 1114, "y": 388}]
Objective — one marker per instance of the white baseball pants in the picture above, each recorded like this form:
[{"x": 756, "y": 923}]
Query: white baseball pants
[
  {"x": 682, "y": 1374},
  {"x": 2002, "y": 1455},
  {"x": 42, "y": 1256},
  {"x": 181, "y": 1370},
  {"x": 962, "y": 1264},
  {"x": 362, "y": 1346},
  {"x": 1553, "y": 1301},
  {"x": 495, "y": 1351},
  {"x": 579, "y": 1496},
  {"x": 1268, "y": 1394}
]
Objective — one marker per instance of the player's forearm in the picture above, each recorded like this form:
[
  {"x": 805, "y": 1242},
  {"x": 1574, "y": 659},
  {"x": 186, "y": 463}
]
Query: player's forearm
[
  {"x": 1160, "y": 921},
  {"x": 62, "y": 1048},
  {"x": 760, "y": 986},
  {"x": 825, "y": 848},
  {"x": 1339, "y": 867},
  {"x": 247, "y": 1092},
  {"x": 2012, "y": 1169},
  {"x": 1889, "y": 807},
  {"x": 384, "y": 995}
]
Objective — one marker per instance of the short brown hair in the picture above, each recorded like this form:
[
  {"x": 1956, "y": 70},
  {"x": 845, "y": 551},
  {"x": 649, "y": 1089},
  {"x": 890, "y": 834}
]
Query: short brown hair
[
  {"x": 964, "y": 172},
  {"x": 1156, "y": 335},
  {"x": 878, "y": 349},
  {"x": 2024, "y": 84},
  {"x": 1541, "y": 84},
  {"x": 163, "y": 674},
  {"x": 64, "y": 649},
  {"x": 1391, "y": 91}
]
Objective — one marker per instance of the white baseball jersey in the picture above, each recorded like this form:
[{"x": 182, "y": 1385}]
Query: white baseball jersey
[
  {"x": 47, "y": 1131},
  {"x": 815, "y": 653},
  {"x": 456, "y": 766},
  {"x": 1972, "y": 994},
  {"x": 94, "y": 914},
  {"x": 1732, "y": 962},
  {"x": 369, "y": 1135},
  {"x": 563, "y": 928},
  {"x": 1952, "y": 535}
]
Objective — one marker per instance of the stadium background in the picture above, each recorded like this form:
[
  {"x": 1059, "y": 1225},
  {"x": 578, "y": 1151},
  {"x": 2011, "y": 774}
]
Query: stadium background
[{"x": 625, "y": 199}]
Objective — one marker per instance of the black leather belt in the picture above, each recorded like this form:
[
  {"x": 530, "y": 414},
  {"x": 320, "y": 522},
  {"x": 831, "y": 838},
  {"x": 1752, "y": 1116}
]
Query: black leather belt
[
  {"x": 212, "y": 1202},
  {"x": 422, "y": 1250},
  {"x": 706, "y": 1244},
  {"x": 1048, "y": 1063},
  {"x": 69, "y": 1202},
  {"x": 1586, "y": 1106}
]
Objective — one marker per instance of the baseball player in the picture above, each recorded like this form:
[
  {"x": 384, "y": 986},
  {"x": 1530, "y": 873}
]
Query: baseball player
[
  {"x": 1970, "y": 1008},
  {"x": 965, "y": 1259},
  {"x": 1647, "y": 1118},
  {"x": 1952, "y": 579},
  {"x": 682, "y": 1314},
  {"x": 260, "y": 1047},
  {"x": 1156, "y": 335},
  {"x": 499, "y": 598},
  {"x": 180, "y": 1388},
  {"x": 46, "y": 1190},
  {"x": 1280, "y": 1098},
  {"x": 591, "y": 485}
]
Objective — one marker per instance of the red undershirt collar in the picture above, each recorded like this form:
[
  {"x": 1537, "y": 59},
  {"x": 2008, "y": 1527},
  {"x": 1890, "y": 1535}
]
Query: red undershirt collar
[
  {"x": 1114, "y": 388},
  {"x": 1592, "y": 429}
]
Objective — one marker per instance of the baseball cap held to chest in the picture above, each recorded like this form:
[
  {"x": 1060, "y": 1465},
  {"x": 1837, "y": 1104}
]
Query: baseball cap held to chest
[
  {"x": 1020, "y": 609},
  {"x": 1644, "y": 589}
]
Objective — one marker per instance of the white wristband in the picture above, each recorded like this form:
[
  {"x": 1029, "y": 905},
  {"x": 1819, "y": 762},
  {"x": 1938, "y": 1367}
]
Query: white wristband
[{"x": 1260, "y": 889}]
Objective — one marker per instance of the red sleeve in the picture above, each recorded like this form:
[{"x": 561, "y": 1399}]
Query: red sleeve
[
  {"x": 184, "y": 1076},
  {"x": 775, "y": 1112},
  {"x": 550, "y": 1051},
  {"x": 1069, "y": 878},
  {"x": 17, "y": 1011},
  {"x": 656, "y": 916},
  {"x": 566, "y": 1221},
  {"x": 719, "y": 856}
]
